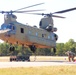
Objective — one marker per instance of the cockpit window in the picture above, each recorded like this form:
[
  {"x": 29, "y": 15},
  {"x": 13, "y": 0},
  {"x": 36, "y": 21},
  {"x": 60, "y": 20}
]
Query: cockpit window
[
  {"x": 8, "y": 26},
  {"x": 4, "y": 26},
  {"x": 13, "y": 27}
]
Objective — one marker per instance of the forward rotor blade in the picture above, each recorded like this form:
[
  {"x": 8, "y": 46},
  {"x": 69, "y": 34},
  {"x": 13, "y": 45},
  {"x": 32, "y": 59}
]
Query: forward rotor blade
[
  {"x": 29, "y": 6},
  {"x": 28, "y": 11},
  {"x": 67, "y": 10},
  {"x": 4, "y": 12}
]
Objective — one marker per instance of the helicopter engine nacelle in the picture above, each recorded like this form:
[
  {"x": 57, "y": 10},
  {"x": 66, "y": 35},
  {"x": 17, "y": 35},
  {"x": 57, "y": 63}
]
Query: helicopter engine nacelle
[
  {"x": 8, "y": 18},
  {"x": 56, "y": 37},
  {"x": 54, "y": 29},
  {"x": 49, "y": 28},
  {"x": 46, "y": 23}
]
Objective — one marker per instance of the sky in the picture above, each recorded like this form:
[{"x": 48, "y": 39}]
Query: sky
[{"x": 66, "y": 27}]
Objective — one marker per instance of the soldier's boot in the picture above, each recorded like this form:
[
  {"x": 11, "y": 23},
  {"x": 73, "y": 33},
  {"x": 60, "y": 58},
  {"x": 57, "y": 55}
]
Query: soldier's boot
[
  {"x": 73, "y": 58},
  {"x": 69, "y": 59}
]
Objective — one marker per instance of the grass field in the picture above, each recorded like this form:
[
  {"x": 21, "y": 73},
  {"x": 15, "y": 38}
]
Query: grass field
[{"x": 52, "y": 70}]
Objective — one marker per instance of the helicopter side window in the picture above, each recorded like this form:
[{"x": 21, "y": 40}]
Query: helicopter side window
[
  {"x": 22, "y": 30},
  {"x": 29, "y": 32},
  {"x": 11, "y": 26},
  {"x": 42, "y": 35},
  {"x": 48, "y": 37},
  {"x": 36, "y": 34}
]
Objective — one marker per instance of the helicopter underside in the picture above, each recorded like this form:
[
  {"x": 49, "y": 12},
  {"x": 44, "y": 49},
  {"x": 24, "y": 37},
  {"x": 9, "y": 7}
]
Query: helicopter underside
[{"x": 12, "y": 39}]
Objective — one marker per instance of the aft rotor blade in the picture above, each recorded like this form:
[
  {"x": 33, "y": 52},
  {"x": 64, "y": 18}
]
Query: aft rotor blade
[
  {"x": 46, "y": 15},
  {"x": 58, "y": 16},
  {"x": 29, "y": 6},
  {"x": 64, "y": 11}
]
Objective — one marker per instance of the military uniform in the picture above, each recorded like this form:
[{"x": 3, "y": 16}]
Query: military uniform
[{"x": 71, "y": 55}]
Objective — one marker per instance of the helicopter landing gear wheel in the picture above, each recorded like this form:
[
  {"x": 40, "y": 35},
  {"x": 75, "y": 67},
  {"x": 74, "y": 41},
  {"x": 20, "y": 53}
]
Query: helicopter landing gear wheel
[
  {"x": 12, "y": 51},
  {"x": 11, "y": 48},
  {"x": 54, "y": 50},
  {"x": 33, "y": 49}
]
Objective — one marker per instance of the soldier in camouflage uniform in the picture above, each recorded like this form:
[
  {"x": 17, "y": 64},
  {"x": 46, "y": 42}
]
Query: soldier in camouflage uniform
[{"x": 71, "y": 55}]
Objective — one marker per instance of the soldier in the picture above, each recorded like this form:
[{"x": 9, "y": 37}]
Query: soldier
[{"x": 71, "y": 55}]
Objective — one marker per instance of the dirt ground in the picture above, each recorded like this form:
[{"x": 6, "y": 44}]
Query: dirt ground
[{"x": 38, "y": 58}]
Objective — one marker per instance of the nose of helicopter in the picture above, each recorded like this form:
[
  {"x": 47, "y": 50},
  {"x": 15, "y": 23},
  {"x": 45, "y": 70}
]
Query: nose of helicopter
[
  {"x": 4, "y": 31},
  {"x": 5, "y": 28}
]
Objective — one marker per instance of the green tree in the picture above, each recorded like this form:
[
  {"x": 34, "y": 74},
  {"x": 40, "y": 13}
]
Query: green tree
[{"x": 60, "y": 49}]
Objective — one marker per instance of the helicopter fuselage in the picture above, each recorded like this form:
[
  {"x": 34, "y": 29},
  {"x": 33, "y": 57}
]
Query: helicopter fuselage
[
  {"x": 44, "y": 37},
  {"x": 27, "y": 35}
]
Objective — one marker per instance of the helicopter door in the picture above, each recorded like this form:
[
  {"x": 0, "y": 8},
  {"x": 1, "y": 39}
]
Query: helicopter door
[{"x": 20, "y": 34}]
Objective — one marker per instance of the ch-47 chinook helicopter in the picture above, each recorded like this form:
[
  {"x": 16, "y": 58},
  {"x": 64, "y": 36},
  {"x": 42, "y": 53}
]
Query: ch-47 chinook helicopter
[{"x": 14, "y": 32}]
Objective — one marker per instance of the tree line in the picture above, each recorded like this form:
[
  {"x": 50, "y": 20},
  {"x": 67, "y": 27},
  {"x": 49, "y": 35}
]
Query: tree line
[{"x": 61, "y": 48}]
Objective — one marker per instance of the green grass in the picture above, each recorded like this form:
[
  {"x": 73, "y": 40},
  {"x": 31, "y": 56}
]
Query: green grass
[{"x": 52, "y": 70}]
